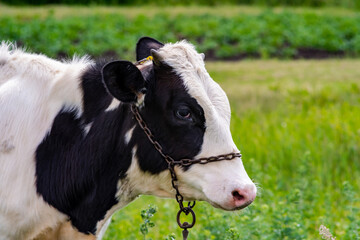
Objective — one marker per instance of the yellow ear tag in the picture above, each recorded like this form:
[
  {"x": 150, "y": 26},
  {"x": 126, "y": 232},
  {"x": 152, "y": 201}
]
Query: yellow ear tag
[{"x": 142, "y": 61}]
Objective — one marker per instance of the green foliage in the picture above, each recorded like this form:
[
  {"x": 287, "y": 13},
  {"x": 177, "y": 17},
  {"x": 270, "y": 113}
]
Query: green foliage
[
  {"x": 170, "y": 237},
  {"x": 269, "y": 34},
  {"x": 232, "y": 234},
  {"x": 146, "y": 216},
  {"x": 353, "y": 230}
]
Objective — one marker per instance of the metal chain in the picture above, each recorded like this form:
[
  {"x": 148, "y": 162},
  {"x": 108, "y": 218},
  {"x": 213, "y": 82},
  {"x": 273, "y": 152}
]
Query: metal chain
[{"x": 182, "y": 162}]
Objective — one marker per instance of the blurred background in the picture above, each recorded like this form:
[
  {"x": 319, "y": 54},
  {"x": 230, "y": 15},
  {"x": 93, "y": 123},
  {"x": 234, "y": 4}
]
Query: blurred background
[{"x": 291, "y": 70}]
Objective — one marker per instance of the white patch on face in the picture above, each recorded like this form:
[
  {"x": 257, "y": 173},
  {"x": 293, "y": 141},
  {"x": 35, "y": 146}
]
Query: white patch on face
[
  {"x": 128, "y": 135},
  {"x": 213, "y": 182},
  {"x": 113, "y": 105}
]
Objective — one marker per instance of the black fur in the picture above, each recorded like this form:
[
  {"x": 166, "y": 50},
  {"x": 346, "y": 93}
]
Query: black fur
[
  {"x": 96, "y": 99},
  {"x": 77, "y": 173},
  {"x": 144, "y": 46},
  {"x": 123, "y": 80},
  {"x": 179, "y": 139}
]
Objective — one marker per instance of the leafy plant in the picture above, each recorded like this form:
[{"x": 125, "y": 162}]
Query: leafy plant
[
  {"x": 146, "y": 216},
  {"x": 269, "y": 34}
]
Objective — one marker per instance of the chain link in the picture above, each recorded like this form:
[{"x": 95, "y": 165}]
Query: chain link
[{"x": 182, "y": 162}]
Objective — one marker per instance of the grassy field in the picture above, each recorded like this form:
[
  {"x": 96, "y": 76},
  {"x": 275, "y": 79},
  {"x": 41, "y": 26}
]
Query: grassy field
[
  {"x": 297, "y": 124},
  {"x": 222, "y": 32},
  {"x": 62, "y": 11}
]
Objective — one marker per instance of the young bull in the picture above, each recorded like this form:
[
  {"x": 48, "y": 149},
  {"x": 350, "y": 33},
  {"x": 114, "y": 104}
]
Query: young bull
[{"x": 72, "y": 152}]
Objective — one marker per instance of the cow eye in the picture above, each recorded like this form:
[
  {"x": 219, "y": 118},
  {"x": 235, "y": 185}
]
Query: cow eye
[{"x": 184, "y": 113}]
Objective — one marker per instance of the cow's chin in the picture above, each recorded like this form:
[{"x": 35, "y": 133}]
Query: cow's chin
[
  {"x": 226, "y": 207},
  {"x": 222, "y": 206},
  {"x": 161, "y": 194}
]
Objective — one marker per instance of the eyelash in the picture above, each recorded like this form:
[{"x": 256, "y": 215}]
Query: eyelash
[{"x": 185, "y": 115}]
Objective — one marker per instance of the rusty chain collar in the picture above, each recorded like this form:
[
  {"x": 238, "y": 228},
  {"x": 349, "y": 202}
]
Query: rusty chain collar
[{"x": 182, "y": 162}]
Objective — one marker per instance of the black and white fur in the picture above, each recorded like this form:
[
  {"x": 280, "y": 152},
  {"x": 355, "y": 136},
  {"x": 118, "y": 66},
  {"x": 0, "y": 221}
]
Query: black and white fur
[{"x": 71, "y": 152}]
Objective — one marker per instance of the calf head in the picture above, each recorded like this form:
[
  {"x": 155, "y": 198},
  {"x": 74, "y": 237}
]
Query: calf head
[{"x": 189, "y": 115}]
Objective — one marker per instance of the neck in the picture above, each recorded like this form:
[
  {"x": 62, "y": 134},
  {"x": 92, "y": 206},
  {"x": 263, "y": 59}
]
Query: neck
[
  {"x": 92, "y": 165},
  {"x": 82, "y": 163}
]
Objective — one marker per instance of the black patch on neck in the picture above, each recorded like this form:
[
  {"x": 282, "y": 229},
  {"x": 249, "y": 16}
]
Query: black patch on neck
[
  {"x": 78, "y": 173},
  {"x": 95, "y": 98}
]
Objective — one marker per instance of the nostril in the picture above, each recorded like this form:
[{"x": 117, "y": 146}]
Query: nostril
[
  {"x": 242, "y": 197},
  {"x": 237, "y": 196}
]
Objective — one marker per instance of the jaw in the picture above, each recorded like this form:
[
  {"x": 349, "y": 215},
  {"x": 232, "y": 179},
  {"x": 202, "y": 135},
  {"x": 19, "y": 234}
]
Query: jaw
[
  {"x": 214, "y": 183},
  {"x": 160, "y": 185}
]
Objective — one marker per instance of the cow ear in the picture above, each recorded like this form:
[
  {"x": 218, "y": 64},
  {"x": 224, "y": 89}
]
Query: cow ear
[
  {"x": 157, "y": 58},
  {"x": 144, "y": 47},
  {"x": 124, "y": 81}
]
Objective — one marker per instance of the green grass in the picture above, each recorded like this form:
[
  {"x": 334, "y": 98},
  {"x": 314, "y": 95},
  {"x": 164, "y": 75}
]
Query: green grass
[
  {"x": 63, "y": 11},
  {"x": 297, "y": 124}
]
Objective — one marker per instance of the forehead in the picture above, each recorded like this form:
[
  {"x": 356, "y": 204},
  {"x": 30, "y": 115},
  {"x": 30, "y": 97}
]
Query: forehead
[
  {"x": 169, "y": 87},
  {"x": 189, "y": 65}
]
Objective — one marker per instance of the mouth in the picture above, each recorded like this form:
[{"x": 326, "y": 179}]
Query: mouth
[
  {"x": 227, "y": 208},
  {"x": 216, "y": 205}
]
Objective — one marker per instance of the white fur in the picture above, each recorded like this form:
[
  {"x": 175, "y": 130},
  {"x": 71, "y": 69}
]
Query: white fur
[
  {"x": 103, "y": 229},
  {"x": 146, "y": 183},
  {"x": 113, "y": 105},
  {"x": 129, "y": 134},
  {"x": 33, "y": 89},
  {"x": 137, "y": 182},
  {"x": 87, "y": 128}
]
